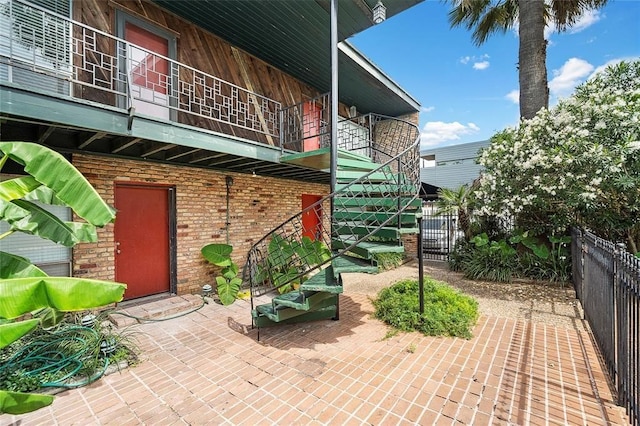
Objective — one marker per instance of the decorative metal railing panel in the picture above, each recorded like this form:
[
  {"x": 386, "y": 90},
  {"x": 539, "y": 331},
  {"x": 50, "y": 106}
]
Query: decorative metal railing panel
[
  {"x": 607, "y": 281},
  {"x": 396, "y": 182},
  {"x": 305, "y": 126},
  {"x": 42, "y": 50}
]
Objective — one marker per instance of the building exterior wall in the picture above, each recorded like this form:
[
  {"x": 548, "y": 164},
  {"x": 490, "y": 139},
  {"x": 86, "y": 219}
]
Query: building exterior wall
[
  {"x": 454, "y": 165},
  {"x": 256, "y": 205},
  {"x": 198, "y": 49}
]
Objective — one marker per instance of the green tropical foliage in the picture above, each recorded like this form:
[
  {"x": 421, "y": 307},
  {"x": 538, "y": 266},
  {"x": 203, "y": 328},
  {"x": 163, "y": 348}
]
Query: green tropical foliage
[
  {"x": 227, "y": 283},
  {"x": 523, "y": 255},
  {"x": 24, "y": 288},
  {"x": 594, "y": 139},
  {"x": 447, "y": 312}
]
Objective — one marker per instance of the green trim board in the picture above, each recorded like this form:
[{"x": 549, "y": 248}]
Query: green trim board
[{"x": 84, "y": 115}]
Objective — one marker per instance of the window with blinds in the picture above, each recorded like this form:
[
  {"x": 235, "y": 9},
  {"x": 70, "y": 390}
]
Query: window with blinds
[
  {"x": 52, "y": 258},
  {"x": 35, "y": 37}
]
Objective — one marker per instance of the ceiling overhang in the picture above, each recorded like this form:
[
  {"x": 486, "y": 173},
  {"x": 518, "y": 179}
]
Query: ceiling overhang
[{"x": 294, "y": 36}]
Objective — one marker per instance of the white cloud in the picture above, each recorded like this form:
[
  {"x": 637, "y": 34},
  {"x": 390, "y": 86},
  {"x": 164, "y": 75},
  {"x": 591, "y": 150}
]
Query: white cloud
[
  {"x": 436, "y": 132},
  {"x": 572, "y": 73},
  {"x": 481, "y": 65},
  {"x": 427, "y": 109},
  {"x": 513, "y": 96},
  {"x": 481, "y": 60},
  {"x": 589, "y": 18}
]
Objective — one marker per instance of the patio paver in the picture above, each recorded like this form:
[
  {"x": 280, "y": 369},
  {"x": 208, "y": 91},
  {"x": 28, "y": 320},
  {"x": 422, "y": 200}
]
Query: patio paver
[{"x": 208, "y": 368}]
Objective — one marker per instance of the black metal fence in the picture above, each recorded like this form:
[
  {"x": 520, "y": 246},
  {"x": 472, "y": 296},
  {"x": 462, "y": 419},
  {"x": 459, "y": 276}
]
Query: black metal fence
[
  {"x": 439, "y": 233},
  {"x": 607, "y": 282}
]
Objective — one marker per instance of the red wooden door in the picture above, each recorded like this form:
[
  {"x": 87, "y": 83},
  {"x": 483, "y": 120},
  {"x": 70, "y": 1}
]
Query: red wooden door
[
  {"x": 312, "y": 113},
  {"x": 311, "y": 220},
  {"x": 142, "y": 239},
  {"x": 149, "y": 71}
]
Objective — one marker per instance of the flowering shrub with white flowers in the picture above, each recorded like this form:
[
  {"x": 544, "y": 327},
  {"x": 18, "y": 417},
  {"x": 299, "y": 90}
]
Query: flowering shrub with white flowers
[{"x": 576, "y": 163}]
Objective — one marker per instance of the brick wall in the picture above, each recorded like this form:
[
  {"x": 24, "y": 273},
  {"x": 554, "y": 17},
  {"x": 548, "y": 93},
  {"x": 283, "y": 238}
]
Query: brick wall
[{"x": 257, "y": 204}]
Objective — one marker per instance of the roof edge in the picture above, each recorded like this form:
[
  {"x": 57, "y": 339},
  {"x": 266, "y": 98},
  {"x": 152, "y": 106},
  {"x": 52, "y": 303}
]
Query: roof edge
[{"x": 365, "y": 63}]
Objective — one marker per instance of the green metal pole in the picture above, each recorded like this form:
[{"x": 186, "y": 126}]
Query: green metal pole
[
  {"x": 334, "y": 100},
  {"x": 334, "y": 121},
  {"x": 420, "y": 266}
]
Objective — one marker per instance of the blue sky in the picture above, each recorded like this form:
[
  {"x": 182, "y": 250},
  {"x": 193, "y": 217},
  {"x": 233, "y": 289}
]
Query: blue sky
[{"x": 467, "y": 92}]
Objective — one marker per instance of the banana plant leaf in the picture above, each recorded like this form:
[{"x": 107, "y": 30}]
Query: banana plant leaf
[
  {"x": 53, "y": 170},
  {"x": 21, "y": 403},
  {"x": 30, "y": 218},
  {"x": 12, "y": 331},
  {"x": 45, "y": 195},
  {"x": 18, "y": 267},
  {"x": 21, "y": 295},
  {"x": 17, "y": 188}
]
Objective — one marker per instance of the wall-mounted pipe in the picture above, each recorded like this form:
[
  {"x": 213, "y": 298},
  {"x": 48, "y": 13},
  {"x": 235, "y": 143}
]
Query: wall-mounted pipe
[{"x": 229, "y": 182}]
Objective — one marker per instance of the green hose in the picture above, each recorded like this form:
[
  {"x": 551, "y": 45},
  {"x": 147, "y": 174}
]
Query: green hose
[{"x": 66, "y": 353}]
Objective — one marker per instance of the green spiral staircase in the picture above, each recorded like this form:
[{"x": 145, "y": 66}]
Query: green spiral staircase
[{"x": 374, "y": 204}]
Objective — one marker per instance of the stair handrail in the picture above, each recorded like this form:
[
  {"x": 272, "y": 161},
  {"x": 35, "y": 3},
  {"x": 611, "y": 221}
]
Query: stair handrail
[{"x": 264, "y": 275}]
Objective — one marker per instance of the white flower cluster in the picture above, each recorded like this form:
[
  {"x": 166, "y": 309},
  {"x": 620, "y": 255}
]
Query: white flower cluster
[{"x": 570, "y": 160}]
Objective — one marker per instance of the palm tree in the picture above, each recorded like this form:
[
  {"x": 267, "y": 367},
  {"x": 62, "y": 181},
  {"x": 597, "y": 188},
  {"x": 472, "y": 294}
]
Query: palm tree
[
  {"x": 486, "y": 17},
  {"x": 457, "y": 201}
]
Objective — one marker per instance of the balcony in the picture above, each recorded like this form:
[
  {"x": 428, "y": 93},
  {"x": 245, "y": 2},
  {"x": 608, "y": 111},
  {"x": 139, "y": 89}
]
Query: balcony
[
  {"x": 43, "y": 51},
  {"x": 79, "y": 89}
]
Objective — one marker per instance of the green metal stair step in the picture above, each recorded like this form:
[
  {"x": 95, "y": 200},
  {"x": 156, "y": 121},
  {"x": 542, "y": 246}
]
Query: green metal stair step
[
  {"x": 324, "y": 281},
  {"x": 301, "y": 300},
  {"x": 344, "y": 176},
  {"x": 384, "y": 189},
  {"x": 365, "y": 249},
  {"x": 362, "y": 165},
  {"x": 282, "y": 313},
  {"x": 414, "y": 203},
  {"x": 262, "y": 320},
  {"x": 375, "y": 217},
  {"x": 344, "y": 264},
  {"x": 390, "y": 232}
]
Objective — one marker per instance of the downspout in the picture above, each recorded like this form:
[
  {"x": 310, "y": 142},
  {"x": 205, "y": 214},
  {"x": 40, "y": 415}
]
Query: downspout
[{"x": 229, "y": 182}]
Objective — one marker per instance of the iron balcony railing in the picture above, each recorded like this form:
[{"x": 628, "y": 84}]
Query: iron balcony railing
[{"x": 47, "y": 52}]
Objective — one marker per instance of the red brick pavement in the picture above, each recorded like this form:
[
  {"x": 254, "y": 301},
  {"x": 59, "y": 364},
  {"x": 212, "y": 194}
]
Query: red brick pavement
[{"x": 208, "y": 368}]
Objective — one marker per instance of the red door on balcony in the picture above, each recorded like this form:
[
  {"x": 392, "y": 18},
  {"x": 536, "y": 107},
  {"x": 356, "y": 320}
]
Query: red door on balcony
[
  {"x": 311, "y": 122},
  {"x": 311, "y": 220},
  {"x": 142, "y": 230},
  {"x": 149, "y": 70}
]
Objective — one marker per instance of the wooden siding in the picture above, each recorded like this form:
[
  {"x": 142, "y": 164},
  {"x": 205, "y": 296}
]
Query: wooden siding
[{"x": 201, "y": 50}]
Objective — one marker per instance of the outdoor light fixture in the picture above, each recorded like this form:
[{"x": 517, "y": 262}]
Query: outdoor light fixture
[
  {"x": 88, "y": 320},
  {"x": 379, "y": 13},
  {"x": 108, "y": 346},
  {"x": 206, "y": 290}
]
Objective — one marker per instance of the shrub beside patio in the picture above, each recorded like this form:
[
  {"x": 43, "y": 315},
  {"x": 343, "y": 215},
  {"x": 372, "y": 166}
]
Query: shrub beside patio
[{"x": 447, "y": 312}]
